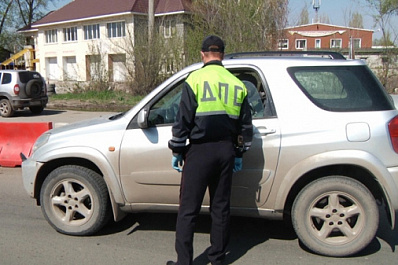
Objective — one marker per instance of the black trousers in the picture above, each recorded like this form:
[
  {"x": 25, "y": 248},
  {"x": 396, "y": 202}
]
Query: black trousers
[{"x": 206, "y": 165}]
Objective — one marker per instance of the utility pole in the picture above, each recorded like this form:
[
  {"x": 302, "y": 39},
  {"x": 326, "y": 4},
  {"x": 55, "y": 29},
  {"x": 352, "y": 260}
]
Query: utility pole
[
  {"x": 151, "y": 20},
  {"x": 316, "y": 4}
]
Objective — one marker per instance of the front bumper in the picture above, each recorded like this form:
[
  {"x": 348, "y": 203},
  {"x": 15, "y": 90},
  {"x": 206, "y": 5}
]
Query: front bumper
[{"x": 30, "y": 170}]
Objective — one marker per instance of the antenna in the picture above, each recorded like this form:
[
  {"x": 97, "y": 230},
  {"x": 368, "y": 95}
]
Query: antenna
[{"x": 316, "y": 4}]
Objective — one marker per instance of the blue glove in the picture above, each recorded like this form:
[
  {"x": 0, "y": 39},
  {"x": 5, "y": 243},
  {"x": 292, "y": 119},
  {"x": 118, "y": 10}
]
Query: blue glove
[
  {"x": 176, "y": 162},
  {"x": 238, "y": 164}
]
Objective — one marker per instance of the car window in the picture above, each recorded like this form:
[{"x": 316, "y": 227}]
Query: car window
[
  {"x": 165, "y": 110},
  {"x": 6, "y": 78},
  {"x": 255, "y": 90},
  {"x": 26, "y": 76},
  {"x": 339, "y": 88}
]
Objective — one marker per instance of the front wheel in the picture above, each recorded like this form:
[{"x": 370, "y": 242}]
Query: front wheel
[
  {"x": 75, "y": 200},
  {"x": 335, "y": 216}
]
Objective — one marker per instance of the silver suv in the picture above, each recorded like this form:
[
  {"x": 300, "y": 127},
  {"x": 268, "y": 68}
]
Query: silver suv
[
  {"x": 20, "y": 89},
  {"x": 324, "y": 154}
]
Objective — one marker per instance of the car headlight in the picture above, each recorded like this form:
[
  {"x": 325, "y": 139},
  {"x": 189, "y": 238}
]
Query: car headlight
[{"x": 42, "y": 140}]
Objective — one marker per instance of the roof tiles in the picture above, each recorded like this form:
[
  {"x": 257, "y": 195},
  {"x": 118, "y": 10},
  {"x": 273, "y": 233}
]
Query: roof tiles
[{"x": 83, "y": 9}]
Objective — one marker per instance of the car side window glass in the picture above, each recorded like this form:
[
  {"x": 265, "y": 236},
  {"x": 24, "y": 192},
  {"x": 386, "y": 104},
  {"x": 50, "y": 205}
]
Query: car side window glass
[
  {"x": 164, "y": 111},
  {"x": 6, "y": 78},
  {"x": 340, "y": 88},
  {"x": 256, "y": 93},
  {"x": 322, "y": 85}
]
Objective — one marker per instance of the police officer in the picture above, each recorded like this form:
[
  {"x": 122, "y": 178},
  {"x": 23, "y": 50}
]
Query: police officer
[{"x": 215, "y": 117}]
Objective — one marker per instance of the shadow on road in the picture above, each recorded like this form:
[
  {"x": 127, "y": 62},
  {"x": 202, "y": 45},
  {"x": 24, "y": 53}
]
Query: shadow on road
[
  {"x": 28, "y": 113},
  {"x": 246, "y": 233},
  {"x": 385, "y": 233}
]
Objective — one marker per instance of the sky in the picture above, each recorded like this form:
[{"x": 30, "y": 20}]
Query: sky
[{"x": 338, "y": 12}]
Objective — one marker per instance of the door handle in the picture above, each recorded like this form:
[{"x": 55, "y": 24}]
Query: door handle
[{"x": 265, "y": 131}]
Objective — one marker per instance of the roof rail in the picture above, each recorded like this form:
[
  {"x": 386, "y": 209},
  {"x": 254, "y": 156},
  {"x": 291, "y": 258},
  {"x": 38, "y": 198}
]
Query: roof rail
[{"x": 323, "y": 54}]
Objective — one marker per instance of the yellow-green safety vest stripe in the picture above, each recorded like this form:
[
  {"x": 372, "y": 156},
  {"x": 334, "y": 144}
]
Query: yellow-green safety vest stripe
[{"x": 217, "y": 91}]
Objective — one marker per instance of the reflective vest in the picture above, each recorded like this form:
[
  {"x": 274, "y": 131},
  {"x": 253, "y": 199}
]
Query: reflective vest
[{"x": 217, "y": 91}]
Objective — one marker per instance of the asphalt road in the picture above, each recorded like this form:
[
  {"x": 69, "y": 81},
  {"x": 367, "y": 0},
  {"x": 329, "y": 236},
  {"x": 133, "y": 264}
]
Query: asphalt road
[{"x": 26, "y": 237}]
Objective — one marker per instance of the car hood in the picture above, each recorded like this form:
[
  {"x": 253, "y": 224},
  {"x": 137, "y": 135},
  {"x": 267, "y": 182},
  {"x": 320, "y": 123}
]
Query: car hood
[
  {"x": 98, "y": 133},
  {"x": 82, "y": 125}
]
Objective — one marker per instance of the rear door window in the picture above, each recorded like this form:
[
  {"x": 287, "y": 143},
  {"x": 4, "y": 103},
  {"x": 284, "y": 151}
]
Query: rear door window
[
  {"x": 25, "y": 77},
  {"x": 343, "y": 89},
  {"x": 6, "y": 78}
]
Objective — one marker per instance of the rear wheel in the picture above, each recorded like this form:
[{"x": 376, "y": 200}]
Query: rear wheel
[
  {"x": 75, "y": 200},
  {"x": 6, "y": 109},
  {"x": 335, "y": 216}
]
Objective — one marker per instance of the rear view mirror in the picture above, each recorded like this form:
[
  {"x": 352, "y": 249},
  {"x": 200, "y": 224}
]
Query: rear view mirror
[{"x": 142, "y": 119}]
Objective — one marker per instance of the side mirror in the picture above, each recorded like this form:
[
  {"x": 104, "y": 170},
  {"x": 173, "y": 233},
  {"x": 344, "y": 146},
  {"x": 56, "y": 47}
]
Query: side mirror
[{"x": 142, "y": 119}]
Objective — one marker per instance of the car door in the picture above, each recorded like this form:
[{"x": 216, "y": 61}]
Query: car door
[{"x": 145, "y": 160}]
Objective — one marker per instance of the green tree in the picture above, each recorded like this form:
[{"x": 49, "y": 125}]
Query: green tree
[
  {"x": 32, "y": 10},
  {"x": 5, "y": 9},
  {"x": 304, "y": 18},
  {"x": 384, "y": 10},
  {"x": 384, "y": 41},
  {"x": 249, "y": 25},
  {"x": 9, "y": 39},
  {"x": 324, "y": 18},
  {"x": 356, "y": 21},
  {"x": 16, "y": 14}
]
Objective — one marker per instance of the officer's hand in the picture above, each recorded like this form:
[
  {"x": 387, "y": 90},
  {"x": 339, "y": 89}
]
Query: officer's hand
[
  {"x": 238, "y": 164},
  {"x": 177, "y": 162}
]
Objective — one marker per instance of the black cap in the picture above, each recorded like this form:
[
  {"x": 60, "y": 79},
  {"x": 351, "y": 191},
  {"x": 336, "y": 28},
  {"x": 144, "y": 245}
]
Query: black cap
[{"x": 213, "y": 44}]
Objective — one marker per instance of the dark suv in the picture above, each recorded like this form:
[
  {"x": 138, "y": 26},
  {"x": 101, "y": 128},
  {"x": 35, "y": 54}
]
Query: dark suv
[{"x": 20, "y": 89}]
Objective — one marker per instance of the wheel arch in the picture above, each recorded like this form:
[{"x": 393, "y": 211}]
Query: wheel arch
[
  {"x": 77, "y": 161},
  {"x": 356, "y": 172},
  {"x": 3, "y": 97}
]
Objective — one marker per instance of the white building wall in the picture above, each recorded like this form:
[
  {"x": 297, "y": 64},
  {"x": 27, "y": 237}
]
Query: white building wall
[{"x": 51, "y": 54}]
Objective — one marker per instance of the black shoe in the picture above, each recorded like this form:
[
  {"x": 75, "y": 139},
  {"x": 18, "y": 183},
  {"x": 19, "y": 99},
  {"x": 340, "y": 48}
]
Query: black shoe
[{"x": 171, "y": 263}]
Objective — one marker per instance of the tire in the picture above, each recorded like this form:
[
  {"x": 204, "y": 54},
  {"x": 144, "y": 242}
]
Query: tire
[
  {"x": 36, "y": 109},
  {"x": 33, "y": 88},
  {"x": 335, "y": 216},
  {"x": 75, "y": 201},
  {"x": 6, "y": 109}
]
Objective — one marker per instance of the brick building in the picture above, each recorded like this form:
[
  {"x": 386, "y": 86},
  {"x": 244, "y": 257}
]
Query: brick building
[{"x": 325, "y": 37}]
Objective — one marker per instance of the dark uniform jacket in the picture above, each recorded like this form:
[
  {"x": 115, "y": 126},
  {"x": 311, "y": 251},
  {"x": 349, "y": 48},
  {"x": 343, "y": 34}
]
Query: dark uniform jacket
[{"x": 213, "y": 107}]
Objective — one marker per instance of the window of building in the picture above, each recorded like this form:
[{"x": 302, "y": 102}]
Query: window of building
[
  {"x": 301, "y": 44},
  {"x": 117, "y": 67},
  {"x": 356, "y": 42},
  {"x": 169, "y": 28},
  {"x": 116, "y": 29},
  {"x": 70, "y": 68},
  {"x": 70, "y": 34},
  {"x": 95, "y": 68},
  {"x": 52, "y": 68},
  {"x": 51, "y": 36},
  {"x": 91, "y": 32},
  {"x": 335, "y": 43},
  {"x": 283, "y": 44},
  {"x": 317, "y": 43}
]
